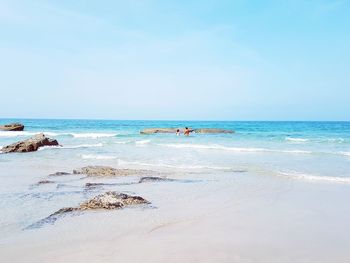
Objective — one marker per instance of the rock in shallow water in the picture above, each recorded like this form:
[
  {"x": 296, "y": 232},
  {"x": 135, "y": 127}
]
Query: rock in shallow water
[
  {"x": 154, "y": 179},
  {"x": 108, "y": 201},
  {"x": 173, "y": 130},
  {"x": 12, "y": 127},
  {"x": 112, "y": 200},
  {"x": 59, "y": 174},
  {"x": 107, "y": 171},
  {"x": 45, "y": 182},
  {"x": 30, "y": 145}
]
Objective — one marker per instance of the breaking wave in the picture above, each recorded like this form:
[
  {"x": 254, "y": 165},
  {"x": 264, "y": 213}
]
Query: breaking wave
[
  {"x": 297, "y": 140},
  {"x": 93, "y": 135},
  {"x": 233, "y": 149},
  {"x": 310, "y": 177},
  {"x": 98, "y": 157},
  {"x": 71, "y": 146}
]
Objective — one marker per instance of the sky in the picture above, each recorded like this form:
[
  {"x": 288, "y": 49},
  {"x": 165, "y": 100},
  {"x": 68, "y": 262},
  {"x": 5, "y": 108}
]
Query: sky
[{"x": 180, "y": 60}]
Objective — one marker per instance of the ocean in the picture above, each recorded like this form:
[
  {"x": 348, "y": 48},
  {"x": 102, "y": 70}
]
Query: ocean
[{"x": 309, "y": 152}]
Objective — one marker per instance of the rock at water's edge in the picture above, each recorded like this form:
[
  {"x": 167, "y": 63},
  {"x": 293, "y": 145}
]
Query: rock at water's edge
[
  {"x": 108, "y": 200},
  {"x": 30, "y": 145},
  {"x": 12, "y": 127},
  {"x": 107, "y": 171},
  {"x": 154, "y": 179}
]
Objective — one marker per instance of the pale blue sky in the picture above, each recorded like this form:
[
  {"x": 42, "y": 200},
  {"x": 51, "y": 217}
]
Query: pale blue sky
[{"x": 224, "y": 60}]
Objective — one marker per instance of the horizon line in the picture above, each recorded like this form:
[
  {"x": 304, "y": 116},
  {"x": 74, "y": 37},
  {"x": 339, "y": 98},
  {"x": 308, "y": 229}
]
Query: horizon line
[{"x": 179, "y": 120}]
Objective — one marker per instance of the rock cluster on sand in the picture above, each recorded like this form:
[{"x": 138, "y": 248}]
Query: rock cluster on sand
[
  {"x": 112, "y": 200},
  {"x": 109, "y": 200},
  {"x": 30, "y": 145},
  {"x": 107, "y": 171},
  {"x": 12, "y": 127},
  {"x": 173, "y": 130}
]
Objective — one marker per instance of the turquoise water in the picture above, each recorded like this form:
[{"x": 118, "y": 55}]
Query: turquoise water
[
  {"x": 314, "y": 152},
  {"x": 300, "y": 148}
]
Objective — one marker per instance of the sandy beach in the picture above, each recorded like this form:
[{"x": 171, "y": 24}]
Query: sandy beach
[{"x": 229, "y": 217}]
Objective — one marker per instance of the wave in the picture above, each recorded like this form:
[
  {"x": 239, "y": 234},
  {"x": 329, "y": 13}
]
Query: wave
[
  {"x": 298, "y": 140},
  {"x": 98, "y": 157},
  {"x": 142, "y": 142},
  {"x": 123, "y": 162},
  {"x": 123, "y": 142},
  {"x": 137, "y": 163},
  {"x": 233, "y": 149},
  {"x": 345, "y": 153},
  {"x": 93, "y": 135},
  {"x": 75, "y": 135},
  {"x": 16, "y": 133},
  {"x": 310, "y": 177},
  {"x": 71, "y": 146}
]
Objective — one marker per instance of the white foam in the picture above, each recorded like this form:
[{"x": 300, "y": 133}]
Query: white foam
[
  {"x": 345, "y": 153},
  {"x": 335, "y": 139},
  {"x": 233, "y": 149},
  {"x": 123, "y": 142},
  {"x": 98, "y": 157},
  {"x": 297, "y": 140},
  {"x": 93, "y": 135},
  {"x": 310, "y": 177},
  {"x": 142, "y": 142},
  {"x": 72, "y": 146},
  {"x": 123, "y": 162},
  {"x": 16, "y": 133}
]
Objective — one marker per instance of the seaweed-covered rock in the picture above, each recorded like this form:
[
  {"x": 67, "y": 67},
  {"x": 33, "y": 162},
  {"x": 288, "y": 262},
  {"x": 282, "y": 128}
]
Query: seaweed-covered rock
[
  {"x": 112, "y": 200},
  {"x": 30, "y": 145},
  {"x": 109, "y": 200},
  {"x": 12, "y": 127}
]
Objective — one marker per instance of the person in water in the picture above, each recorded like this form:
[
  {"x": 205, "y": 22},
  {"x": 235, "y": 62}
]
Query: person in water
[
  {"x": 187, "y": 132},
  {"x": 177, "y": 132}
]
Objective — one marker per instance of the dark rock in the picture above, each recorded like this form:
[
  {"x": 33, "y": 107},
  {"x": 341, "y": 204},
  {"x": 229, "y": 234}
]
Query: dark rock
[
  {"x": 64, "y": 210},
  {"x": 92, "y": 185},
  {"x": 59, "y": 174},
  {"x": 154, "y": 179},
  {"x": 108, "y": 171},
  {"x": 30, "y": 145},
  {"x": 45, "y": 182},
  {"x": 12, "y": 127},
  {"x": 109, "y": 200}
]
